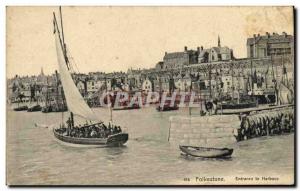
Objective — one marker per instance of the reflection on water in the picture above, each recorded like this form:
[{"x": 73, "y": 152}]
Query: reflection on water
[{"x": 35, "y": 157}]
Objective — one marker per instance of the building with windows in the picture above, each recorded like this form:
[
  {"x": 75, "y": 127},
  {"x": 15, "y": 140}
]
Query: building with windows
[
  {"x": 147, "y": 85},
  {"x": 179, "y": 59},
  {"x": 276, "y": 44},
  {"x": 188, "y": 57}
]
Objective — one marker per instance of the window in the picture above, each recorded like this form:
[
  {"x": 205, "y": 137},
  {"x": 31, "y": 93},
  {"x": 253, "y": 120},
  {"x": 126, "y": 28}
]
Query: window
[{"x": 251, "y": 51}]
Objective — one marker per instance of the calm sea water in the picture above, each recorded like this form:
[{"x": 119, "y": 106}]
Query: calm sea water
[{"x": 34, "y": 157}]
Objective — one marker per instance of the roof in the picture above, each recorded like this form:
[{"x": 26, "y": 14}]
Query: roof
[
  {"x": 203, "y": 52},
  {"x": 179, "y": 54},
  {"x": 271, "y": 39},
  {"x": 174, "y": 55},
  {"x": 224, "y": 49},
  {"x": 216, "y": 49}
]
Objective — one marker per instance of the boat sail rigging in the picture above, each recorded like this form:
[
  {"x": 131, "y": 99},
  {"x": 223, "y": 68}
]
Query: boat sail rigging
[
  {"x": 75, "y": 102},
  {"x": 95, "y": 133}
]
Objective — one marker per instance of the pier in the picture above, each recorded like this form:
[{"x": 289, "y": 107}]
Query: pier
[{"x": 225, "y": 130}]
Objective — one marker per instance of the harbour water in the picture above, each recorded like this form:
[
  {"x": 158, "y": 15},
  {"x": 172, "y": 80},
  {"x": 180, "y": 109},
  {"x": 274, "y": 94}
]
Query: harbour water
[{"x": 34, "y": 157}]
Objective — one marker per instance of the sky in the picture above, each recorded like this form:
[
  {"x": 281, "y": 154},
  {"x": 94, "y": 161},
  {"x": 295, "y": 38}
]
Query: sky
[{"x": 112, "y": 39}]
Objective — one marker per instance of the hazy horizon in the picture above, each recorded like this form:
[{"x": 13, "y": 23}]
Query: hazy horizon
[{"x": 108, "y": 39}]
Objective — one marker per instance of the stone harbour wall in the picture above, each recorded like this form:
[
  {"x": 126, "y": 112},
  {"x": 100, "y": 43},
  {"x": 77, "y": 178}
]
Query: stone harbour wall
[
  {"x": 225, "y": 130},
  {"x": 208, "y": 131},
  {"x": 268, "y": 122}
]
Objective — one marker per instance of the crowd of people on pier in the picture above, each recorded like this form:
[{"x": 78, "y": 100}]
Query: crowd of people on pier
[
  {"x": 265, "y": 124},
  {"x": 98, "y": 130}
]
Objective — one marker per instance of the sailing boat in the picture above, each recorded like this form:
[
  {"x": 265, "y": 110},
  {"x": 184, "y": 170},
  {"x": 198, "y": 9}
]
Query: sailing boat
[
  {"x": 22, "y": 107},
  {"x": 36, "y": 106},
  {"x": 94, "y": 132},
  {"x": 239, "y": 102},
  {"x": 57, "y": 102},
  {"x": 167, "y": 104}
]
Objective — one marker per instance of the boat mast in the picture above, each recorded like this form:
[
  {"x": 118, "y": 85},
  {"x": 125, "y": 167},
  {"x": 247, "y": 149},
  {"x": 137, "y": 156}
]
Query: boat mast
[
  {"x": 47, "y": 96},
  {"x": 37, "y": 99},
  {"x": 232, "y": 85},
  {"x": 63, "y": 39},
  {"x": 274, "y": 81},
  {"x": 160, "y": 84},
  {"x": 62, "y": 44},
  {"x": 209, "y": 76},
  {"x": 56, "y": 99},
  {"x": 108, "y": 99},
  {"x": 190, "y": 109},
  {"x": 284, "y": 71},
  {"x": 252, "y": 84},
  {"x": 62, "y": 28},
  {"x": 239, "y": 85}
]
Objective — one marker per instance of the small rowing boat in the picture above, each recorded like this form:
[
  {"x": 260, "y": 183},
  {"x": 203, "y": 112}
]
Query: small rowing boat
[
  {"x": 206, "y": 152},
  {"x": 166, "y": 108},
  {"x": 135, "y": 106}
]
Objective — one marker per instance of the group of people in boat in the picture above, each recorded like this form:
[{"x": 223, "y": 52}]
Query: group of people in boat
[
  {"x": 266, "y": 124},
  {"x": 89, "y": 130}
]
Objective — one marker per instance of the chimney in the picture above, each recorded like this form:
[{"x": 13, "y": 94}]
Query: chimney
[
  {"x": 166, "y": 53},
  {"x": 258, "y": 35},
  {"x": 254, "y": 36},
  {"x": 284, "y": 34},
  {"x": 185, "y": 48},
  {"x": 268, "y": 34},
  {"x": 198, "y": 49},
  {"x": 201, "y": 48}
]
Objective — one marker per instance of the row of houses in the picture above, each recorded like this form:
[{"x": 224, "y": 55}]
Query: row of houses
[
  {"x": 219, "y": 80},
  {"x": 212, "y": 70}
]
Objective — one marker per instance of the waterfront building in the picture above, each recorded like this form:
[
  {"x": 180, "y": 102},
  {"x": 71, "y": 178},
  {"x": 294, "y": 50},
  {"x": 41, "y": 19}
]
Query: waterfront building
[
  {"x": 147, "y": 86},
  {"x": 92, "y": 86},
  {"x": 81, "y": 85},
  {"x": 179, "y": 59},
  {"x": 183, "y": 82},
  {"x": 260, "y": 46},
  {"x": 159, "y": 66},
  {"x": 212, "y": 72},
  {"x": 134, "y": 78},
  {"x": 41, "y": 78},
  {"x": 215, "y": 54},
  {"x": 175, "y": 60}
]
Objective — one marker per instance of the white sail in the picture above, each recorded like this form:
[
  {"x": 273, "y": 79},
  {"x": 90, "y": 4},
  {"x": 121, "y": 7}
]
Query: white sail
[{"x": 75, "y": 101}]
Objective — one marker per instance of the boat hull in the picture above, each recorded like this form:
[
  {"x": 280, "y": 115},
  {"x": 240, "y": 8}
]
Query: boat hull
[
  {"x": 239, "y": 105},
  {"x": 34, "y": 108},
  {"x": 49, "y": 109},
  {"x": 206, "y": 152},
  {"x": 125, "y": 108},
  {"x": 167, "y": 108},
  {"x": 113, "y": 140},
  {"x": 22, "y": 108}
]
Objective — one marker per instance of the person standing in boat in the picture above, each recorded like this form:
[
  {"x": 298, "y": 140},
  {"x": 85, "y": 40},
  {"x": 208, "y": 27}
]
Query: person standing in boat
[
  {"x": 69, "y": 126},
  {"x": 215, "y": 106},
  {"x": 208, "y": 106},
  {"x": 93, "y": 133}
]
